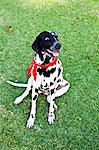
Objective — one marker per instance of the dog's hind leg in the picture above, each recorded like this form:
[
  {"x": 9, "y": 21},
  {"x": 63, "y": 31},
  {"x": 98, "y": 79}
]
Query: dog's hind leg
[
  {"x": 26, "y": 92},
  {"x": 64, "y": 86}
]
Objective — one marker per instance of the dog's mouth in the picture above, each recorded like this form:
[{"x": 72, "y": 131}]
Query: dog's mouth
[
  {"x": 54, "y": 49},
  {"x": 51, "y": 53}
]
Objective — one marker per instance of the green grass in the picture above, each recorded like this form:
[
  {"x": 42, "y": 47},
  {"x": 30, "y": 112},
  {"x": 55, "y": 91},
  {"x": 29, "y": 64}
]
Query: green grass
[{"x": 77, "y": 24}]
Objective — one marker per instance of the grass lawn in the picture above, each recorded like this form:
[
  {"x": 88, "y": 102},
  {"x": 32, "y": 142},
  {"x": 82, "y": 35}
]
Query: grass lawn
[{"x": 77, "y": 24}]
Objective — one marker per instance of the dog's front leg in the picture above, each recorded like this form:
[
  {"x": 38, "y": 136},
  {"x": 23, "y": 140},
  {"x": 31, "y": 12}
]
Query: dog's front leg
[
  {"x": 26, "y": 92},
  {"x": 31, "y": 119},
  {"x": 51, "y": 115},
  {"x": 49, "y": 99}
]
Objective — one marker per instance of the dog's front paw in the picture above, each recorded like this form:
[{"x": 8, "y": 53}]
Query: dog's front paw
[
  {"x": 51, "y": 118},
  {"x": 30, "y": 123},
  {"x": 17, "y": 100}
]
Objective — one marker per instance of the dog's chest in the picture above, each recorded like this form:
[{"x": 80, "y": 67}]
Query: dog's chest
[
  {"x": 45, "y": 76},
  {"x": 42, "y": 84},
  {"x": 48, "y": 77},
  {"x": 46, "y": 72},
  {"x": 49, "y": 72}
]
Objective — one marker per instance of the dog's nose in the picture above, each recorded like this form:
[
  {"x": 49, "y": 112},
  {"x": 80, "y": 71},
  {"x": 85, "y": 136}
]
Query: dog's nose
[{"x": 57, "y": 46}]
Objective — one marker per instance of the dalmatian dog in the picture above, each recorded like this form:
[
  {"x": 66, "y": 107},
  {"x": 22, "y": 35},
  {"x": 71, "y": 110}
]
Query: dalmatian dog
[{"x": 46, "y": 75}]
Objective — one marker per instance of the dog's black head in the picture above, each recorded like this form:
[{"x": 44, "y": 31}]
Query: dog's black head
[{"x": 46, "y": 43}]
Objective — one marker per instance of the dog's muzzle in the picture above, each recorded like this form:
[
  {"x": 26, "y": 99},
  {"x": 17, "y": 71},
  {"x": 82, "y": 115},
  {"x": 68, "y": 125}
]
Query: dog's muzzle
[
  {"x": 54, "y": 49},
  {"x": 56, "y": 46}
]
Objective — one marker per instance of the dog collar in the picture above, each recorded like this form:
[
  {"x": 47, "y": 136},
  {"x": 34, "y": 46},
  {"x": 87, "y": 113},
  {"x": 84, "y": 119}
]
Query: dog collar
[{"x": 33, "y": 67}]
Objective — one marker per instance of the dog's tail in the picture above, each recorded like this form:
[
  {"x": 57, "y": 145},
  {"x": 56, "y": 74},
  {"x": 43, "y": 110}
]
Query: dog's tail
[{"x": 17, "y": 84}]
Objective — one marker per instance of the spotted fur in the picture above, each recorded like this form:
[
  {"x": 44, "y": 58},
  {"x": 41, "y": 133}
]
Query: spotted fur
[{"x": 50, "y": 80}]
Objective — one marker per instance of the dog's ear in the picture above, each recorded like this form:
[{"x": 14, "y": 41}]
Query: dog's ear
[{"x": 36, "y": 48}]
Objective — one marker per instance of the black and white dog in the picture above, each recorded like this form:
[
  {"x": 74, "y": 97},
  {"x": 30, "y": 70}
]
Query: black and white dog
[{"x": 46, "y": 75}]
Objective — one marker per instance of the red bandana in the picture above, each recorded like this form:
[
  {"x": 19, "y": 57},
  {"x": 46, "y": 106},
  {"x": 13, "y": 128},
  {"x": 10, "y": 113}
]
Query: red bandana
[{"x": 34, "y": 64}]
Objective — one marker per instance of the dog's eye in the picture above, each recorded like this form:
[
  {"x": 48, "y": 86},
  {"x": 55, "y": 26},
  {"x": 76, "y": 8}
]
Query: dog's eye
[{"x": 47, "y": 38}]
